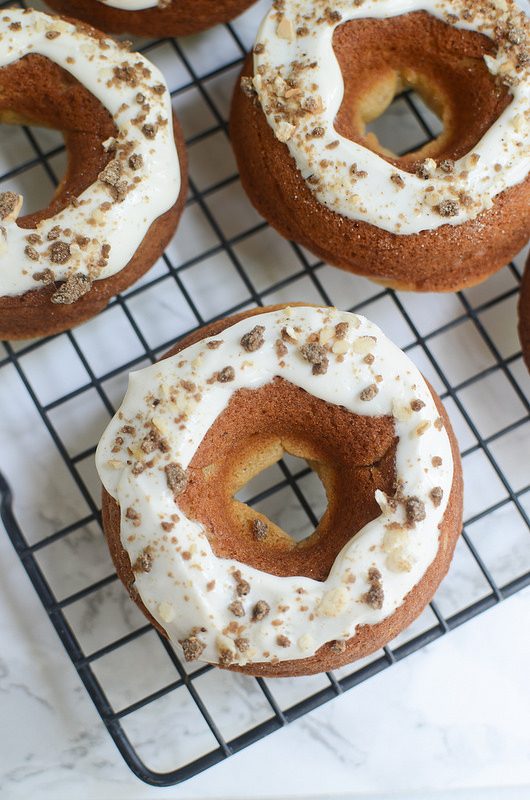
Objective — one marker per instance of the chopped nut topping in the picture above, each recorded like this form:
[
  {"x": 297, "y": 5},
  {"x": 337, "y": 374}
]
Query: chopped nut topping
[
  {"x": 72, "y": 289},
  {"x": 436, "y": 461},
  {"x": 338, "y": 646},
  {"x": 176, "y": 478},
  {"x": 447, "y": 165},
  {"x": 415, "y": 510},
  {"x": 259, "y": 529},
  {"x": 46, "y": 276},
  {"x": 247, "y": 86},
  {"x": 436, "y": 495},
  {"x": 417, "y": 405},
  {"x": 341, "y": 330},
  {"x": 242, "y": 586},
  {"x": 59, "y": 252},
  {"x": 237, "y": 608},
  {"x": 134, "y": 517},
  {"x": 447, "y": 208},
  {"x": 253, "y": 340},
  {"x": 317, "y": 356},
  {"x": 136, "y": 161},
  {"x": 226, "y": 657},
  {"x": 8, "y": 203},
  {"x": 260, "y": 611},
  {"x": 285, "y": 29},
  {"x": 369, "y": 393},
  {"x": 357, "y": 173},
  {"x": 144, "y": 562},
  {"x": 149, "y": 131},
  {"x": 280, "y": 348},
  {"x": 192, "y": 647},
  {"x": 242, "y": 644},
  {"x": 214, "y": 344},
  {"x": 31, "y": 253},
  {"x": 397, "y": 180},
  {"x": 283, "y": 641},
  {"x": 226, "y": 375},
  {"x": 375, "y": 596}
]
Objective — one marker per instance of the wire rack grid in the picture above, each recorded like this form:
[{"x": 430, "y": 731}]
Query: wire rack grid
[{"x": 225, "y": 259}]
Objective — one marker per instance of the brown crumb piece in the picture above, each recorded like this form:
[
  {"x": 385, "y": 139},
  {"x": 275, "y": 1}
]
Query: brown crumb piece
[
  {"x": 134, "y": 517},
  {"x": 149, "y": 131},
  {"x": 369, "y": 358},
  {"x": 31, "y": 253},
  {"x": 8, "y": 203},
  {"x": 242, "y": 586},
  {"x": 226, "y": 375},
  {"x": 192, "y": 647},
  {"x": 253, "y": 340},
  {"x": 447, "y": 166},
  {"x": 341, "y": 330},
  {"x": 242, "y": 644},
  {"x": 72, "y": 289},
  {"x": 415, "y": 510},
  {"x": 317, "y": 356},
  {"x": 260, "y": 611},
  {"x": 59, "y": 252},
  {"x": 447, "y": 208},
  {"x": 397, "y": 180},
  {"x": 237, "y": 608},
  {"x": 247, "y": 86},
  {"x": 283, "y": 641},
  {"x": 214, "y": 344},
  {"x": 176, "y": 478},
  {"x": 436, "y": 461},
  {"x": 369, "y": 393},
  {"x": 226, "y": 657},
  {"x": 375, "y": 596},
  {"x": 417, "y": 405},
  {"x": 144, "y": 562},
  {"x": 436, "y": 495},
  {"x": 357, "y": 173},
  {"x": 259, "y": 529},
  {"x": 46, "y": 276},
  {"x": 280, "y": 348},
  {"x": 53, "y": 233},
  {"x": 136, "y": 161},
  {"x": 338, "y": 646}
]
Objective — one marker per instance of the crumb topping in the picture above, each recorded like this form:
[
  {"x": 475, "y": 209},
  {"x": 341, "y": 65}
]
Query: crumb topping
[{"x": 375, "y": 595}]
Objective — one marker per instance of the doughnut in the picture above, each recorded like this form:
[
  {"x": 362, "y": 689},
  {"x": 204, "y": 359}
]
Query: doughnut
[
  {"x": 152, "y": 17},
  {"x": 437, "y": 219},
  {"x": 223, "y": 582},
  {"x": 124, "y": 189},
  {"x": 524, "y": 315}
]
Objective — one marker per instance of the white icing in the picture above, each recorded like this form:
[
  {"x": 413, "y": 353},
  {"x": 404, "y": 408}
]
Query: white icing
[
  {"x": 130, "y": 5},
  {"x": 375, "y": 198},
  {"x": 334, "y": 608},
  {"x": 124, "y": 224}
]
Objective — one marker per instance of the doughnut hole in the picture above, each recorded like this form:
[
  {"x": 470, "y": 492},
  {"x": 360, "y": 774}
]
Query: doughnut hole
[
  {"x": 352, "y": 455},
  {"x": 380, "y": 58},
  {"x": 35, "y": 91}
]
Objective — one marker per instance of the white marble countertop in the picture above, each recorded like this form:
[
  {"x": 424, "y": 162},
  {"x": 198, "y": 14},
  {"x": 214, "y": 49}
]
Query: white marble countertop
[{"x": 452, "y": 716}]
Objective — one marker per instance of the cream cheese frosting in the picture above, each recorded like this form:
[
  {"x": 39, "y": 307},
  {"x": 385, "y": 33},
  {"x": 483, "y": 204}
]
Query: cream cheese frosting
[
  {"x": 185, "y": 586},
  {"x": 98, "y": 234},
  {"x": 294, "y": 48},
  {"x": 131, "y": 5}
]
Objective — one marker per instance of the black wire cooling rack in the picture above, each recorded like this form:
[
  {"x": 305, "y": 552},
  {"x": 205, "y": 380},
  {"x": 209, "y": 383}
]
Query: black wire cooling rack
[{"x": 499, "y": 449}]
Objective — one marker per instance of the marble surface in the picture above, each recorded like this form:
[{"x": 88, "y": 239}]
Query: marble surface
[{"x": 453, "y": 716}]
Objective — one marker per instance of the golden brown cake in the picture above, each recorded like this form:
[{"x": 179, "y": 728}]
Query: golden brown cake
[
  {"x": 152, "y": 17},
  {"x": 438, "y": 219},
  {"x": 222, "y": 580},
  {"x": 125, "y": 185}
]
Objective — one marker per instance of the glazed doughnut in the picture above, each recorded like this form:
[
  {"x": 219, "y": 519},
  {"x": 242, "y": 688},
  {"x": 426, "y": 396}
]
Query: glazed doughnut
[
  {"x": 125, "y": 185},
  {"x": 220, "y": 579},
  {"x": 438, "y": 219},
  {"x": 524, "y": 315},
  {"x": 152, "y": 17}
]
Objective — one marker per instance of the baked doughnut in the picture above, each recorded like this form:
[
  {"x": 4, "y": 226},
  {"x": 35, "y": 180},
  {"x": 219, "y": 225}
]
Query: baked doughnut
[
  {"x": 227, "y": 584},
  {"x": 125, "y": 185},
  {"x": 438, "y": 219},
  {"x": 152, "y": 17},
  {"x": 524, "y": 314}
]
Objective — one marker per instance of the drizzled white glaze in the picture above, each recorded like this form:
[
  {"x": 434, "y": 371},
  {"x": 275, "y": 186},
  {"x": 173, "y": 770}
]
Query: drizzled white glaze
[
  {"x": 151, "y": 189},
  {"x": 504, "y": 150},
  {"x": 334, "y": 608}
]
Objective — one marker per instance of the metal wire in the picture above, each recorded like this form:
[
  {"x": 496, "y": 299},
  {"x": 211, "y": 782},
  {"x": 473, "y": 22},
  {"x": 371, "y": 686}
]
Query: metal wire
[{"x": 28, "y": 553}]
